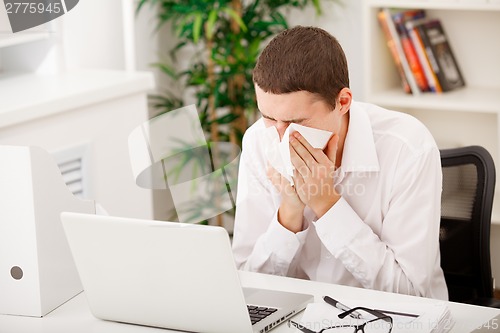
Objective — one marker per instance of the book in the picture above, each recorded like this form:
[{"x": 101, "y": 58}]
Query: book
[
  {"x": 418, "y": 44},
  {"x": 441, "y": 55},
  {"x": 394, "y": 53},
  {"x": 400, "y": 19},
  {"x": 396, "y": 49}
]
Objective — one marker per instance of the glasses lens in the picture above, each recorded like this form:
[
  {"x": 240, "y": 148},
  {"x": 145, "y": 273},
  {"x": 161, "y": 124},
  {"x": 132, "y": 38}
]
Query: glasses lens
[{"x": 378, "y": 326}]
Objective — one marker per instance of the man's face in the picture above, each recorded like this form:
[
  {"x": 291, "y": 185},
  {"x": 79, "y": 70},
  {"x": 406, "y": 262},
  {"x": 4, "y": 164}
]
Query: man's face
[{"x": 302, "y": 107}]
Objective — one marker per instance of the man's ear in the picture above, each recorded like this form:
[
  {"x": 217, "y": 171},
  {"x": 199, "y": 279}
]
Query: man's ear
[{"x": 345, "y": 99}]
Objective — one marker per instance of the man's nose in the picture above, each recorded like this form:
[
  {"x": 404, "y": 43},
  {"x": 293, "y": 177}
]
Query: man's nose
[{"x": 281, "y": 127}]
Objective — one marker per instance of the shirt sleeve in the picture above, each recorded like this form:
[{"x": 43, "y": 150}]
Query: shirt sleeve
[
  {"x": 403, "y": 257},
  {"x": 260, "y": 243}
]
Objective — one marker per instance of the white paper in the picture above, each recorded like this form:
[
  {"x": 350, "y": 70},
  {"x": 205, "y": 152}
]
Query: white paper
[
  {"x": 434, "y": 317},
  {"x": 278, "y": 153}
]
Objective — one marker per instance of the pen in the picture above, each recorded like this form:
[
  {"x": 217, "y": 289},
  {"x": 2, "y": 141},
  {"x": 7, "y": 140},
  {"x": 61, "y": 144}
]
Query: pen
[
  {"x": 398, "y": 313},
  {"x": 341, "y": 307}
]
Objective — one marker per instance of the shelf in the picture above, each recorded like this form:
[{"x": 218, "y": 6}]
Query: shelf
[
  {"x": 464, "y": 100},
  {"x": 437, "y": 4},
  {"x": 30, "y": 96},
  {"x": 21, "y": 38}
]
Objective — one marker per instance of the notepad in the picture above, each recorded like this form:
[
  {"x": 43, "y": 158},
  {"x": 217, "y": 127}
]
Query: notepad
[{"x": 432, "y": 318}]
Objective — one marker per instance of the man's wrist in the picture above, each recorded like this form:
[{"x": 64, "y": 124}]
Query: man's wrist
[
  {"x": 324, "y": 206},
  {"x": 291, "y": 218}
]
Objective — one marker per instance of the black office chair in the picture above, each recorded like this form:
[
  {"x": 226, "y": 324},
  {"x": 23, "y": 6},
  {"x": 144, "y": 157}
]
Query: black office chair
[{"x": 466, "y": 204}]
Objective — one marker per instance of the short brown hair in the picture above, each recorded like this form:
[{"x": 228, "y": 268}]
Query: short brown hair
[{"x": 303, "y": 59}]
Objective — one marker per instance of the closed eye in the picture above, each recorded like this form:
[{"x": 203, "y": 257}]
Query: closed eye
[
  {"x": 267, "y": 117},
  {"x": 295, "y": 121}
]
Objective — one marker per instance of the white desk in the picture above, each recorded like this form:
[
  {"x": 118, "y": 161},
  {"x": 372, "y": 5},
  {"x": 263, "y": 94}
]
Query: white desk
[{"x": 75, "y": 317}]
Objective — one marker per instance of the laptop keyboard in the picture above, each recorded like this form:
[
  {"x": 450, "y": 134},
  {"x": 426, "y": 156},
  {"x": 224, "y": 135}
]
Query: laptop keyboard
[{"x": 257, "y": 313}]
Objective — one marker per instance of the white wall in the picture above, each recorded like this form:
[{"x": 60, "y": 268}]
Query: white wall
[
  {"x": 94, "y": 38},
  {"x": 151, "y": 46},
  {"x": 93, "y": 35}
]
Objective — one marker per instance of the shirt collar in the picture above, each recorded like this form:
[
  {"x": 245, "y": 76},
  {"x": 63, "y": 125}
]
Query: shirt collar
[{"x": 360, "y": 154}]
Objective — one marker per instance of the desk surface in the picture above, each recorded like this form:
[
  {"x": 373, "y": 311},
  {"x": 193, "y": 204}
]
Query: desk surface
[{"x": 74, "y": 316}]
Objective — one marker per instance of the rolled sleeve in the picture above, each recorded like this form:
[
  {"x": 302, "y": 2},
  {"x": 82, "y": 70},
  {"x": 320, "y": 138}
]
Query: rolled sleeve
[
  {"x": 282, "y": 243},
  {"x": 277, "y": 248}
]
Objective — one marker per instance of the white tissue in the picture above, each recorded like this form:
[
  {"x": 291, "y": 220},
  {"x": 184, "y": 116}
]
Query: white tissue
[{"x": 278, "y": 153}]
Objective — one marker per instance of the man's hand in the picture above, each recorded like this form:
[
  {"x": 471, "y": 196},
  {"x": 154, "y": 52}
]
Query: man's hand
[
  {"x": 291, "y": 208},
  {"x": 314, "y": 171}
]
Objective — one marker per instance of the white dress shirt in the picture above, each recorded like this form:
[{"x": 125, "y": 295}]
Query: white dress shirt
[{"x": 384, "y": 231}]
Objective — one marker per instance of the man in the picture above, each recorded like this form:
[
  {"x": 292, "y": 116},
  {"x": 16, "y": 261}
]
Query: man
[{"x": 362, "y": 212}]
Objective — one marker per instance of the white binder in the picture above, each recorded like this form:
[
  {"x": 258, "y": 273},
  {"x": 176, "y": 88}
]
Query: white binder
[{"x": 37, "y": 272}]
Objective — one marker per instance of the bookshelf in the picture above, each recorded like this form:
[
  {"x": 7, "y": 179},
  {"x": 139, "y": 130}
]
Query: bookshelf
[{"x": 465, "y": 116}]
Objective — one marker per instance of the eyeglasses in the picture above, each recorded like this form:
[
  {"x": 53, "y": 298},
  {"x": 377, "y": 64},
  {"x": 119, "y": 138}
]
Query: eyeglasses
[{"x": 380, "y": 324}]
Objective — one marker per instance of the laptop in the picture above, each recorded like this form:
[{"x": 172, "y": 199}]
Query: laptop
[{"x": 169, "y": 275}]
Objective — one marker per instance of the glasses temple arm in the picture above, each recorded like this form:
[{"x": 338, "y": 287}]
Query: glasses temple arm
[{"x": 376, "y": 313}]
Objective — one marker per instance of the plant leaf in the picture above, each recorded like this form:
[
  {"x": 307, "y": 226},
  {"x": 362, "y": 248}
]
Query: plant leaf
[
  {"x": 236, "y": 18},
  {"x": 142, "y": 3},
  {"x": 209, "y": 29},
  {"x": 166, "y": 69},
  {"x": 198, "y": 20}
]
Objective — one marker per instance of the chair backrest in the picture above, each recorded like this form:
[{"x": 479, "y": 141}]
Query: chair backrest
[{"x": 466, "y": 204}]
